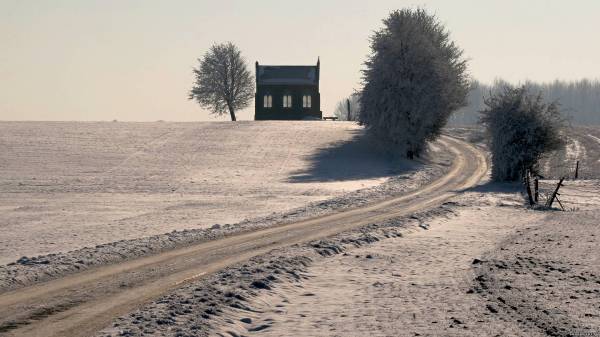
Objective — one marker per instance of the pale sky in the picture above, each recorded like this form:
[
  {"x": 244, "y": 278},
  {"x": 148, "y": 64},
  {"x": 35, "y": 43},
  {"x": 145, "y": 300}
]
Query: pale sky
[{"x": 132, "y": 60}]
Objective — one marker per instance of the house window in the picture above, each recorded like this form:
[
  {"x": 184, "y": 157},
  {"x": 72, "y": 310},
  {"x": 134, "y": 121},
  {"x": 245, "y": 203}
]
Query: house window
[
  {"x": 287, "y": 101},
  {"x": 268, "y": 101},
  {"x": 306, "y": 101}
]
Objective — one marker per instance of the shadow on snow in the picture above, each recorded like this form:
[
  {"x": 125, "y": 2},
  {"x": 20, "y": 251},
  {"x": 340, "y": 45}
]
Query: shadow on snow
[
  {"x": 496, "y": 187},
  {"x": 355, "y": 159}
]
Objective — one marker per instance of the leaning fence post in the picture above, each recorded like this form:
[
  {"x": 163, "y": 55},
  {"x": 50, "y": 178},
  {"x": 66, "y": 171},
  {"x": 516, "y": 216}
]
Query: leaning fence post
[
  {"x": 553, "y": 196},
  {"x": 577, "y": 170}
]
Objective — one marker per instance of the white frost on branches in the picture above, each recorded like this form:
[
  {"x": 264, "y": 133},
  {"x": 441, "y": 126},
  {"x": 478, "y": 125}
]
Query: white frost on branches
[
  {"x": 521, "y": 128},
  {"x": 341, "y": 109},
  {"x": 414, "y": 79},
  {"x": 223, "y": 82}
]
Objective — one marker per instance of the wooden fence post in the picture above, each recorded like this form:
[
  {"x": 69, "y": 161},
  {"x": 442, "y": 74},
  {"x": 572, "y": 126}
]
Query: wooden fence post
[
  {"x": 536, "y": 189},
  {"x": 555, "y": 193},
  {"x": 528, "y": 186},
  {"x": 577, "y": 170}
]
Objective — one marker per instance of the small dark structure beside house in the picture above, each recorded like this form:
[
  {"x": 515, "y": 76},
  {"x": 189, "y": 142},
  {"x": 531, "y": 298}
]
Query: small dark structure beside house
[{"x": 287, "y": 92}]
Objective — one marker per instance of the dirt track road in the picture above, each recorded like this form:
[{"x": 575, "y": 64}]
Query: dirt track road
[{"x": 81, "y": 304}]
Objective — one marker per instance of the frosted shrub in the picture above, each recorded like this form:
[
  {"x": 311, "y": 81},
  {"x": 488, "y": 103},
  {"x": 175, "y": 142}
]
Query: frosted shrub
[
  {"x": 521, "y": 128},
  {"x": 414, "y": 79}
]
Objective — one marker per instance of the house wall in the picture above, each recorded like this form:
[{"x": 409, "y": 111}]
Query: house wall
[{"x": 296, "y": 112}]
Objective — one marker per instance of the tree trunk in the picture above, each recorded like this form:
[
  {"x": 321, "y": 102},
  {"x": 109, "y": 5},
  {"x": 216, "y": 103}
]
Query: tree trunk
[
  {"x": 348, "y": 105},
  {"x": 231, "y": 113}
]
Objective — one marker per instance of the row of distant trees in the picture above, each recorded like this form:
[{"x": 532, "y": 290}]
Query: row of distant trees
[{"x": 579, "y": 100}]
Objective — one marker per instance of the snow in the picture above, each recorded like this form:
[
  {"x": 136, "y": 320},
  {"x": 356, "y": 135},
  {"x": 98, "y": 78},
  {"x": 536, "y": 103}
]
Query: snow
[
  {"x": 480, "y": 265},
  {"x": 426, "y": 281},
  {"x": 399, "y": 284},
  {"x": 575, "y": 151},
  {"x": 596, "y": 139},
  {"x": 441, "y": 272},
  {"x": 583, "y": 145},
  {"x": 68, "y": 185},
  {"x": 399, "y": 276}
]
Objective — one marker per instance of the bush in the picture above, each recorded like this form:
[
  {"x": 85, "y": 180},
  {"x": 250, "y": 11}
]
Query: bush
[
  {"x": 414, "y": 79},
  {"x": 521, "y": 129}
]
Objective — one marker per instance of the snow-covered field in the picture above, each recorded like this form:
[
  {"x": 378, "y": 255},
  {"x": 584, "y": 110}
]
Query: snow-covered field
[
  {"x": 481, "y": 265},
  {"x": 67, "y": 185},
  {"x": 486, "y": 266},
  {"x": 583, "y": 145}
]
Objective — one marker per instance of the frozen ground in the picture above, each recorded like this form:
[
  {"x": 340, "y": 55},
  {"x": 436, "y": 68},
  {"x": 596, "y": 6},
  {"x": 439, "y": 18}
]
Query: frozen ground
[
  {"x": 490, "y": 268},
  {"x": 482, "y": 265},
  {"x": 545, "y": 278},
  {"x": 64, "y": 186},
  {"x": 449, "y": 271},
  {"x": 583, "y": 145},
  {"x": 414, "y": 285}
]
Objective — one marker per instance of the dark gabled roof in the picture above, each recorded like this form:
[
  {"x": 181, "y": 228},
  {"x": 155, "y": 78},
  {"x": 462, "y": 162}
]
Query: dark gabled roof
[{"x": 300, "y": 75}]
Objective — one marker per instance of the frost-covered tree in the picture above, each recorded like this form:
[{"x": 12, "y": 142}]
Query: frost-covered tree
[
  {"x": 341, "y": 109},
  {"x": 414, "y": 79},
  {"x": 223, "y": 82},
  {"x": 521, "y": 128}
]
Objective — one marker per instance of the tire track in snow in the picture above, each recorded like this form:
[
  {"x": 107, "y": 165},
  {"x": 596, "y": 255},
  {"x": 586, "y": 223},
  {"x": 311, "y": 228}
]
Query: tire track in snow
[{"x": 596, "y": 139}]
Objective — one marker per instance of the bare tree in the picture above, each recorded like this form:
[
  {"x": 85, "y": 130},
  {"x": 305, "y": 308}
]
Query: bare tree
[
  {"x": 341, "y": 109},
  {"x": 223, "y": 82},
  {"x": 414, "y": 79}
]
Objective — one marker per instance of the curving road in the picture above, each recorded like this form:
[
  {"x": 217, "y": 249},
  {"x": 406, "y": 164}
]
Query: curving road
[{"x": 81, "y": 304}]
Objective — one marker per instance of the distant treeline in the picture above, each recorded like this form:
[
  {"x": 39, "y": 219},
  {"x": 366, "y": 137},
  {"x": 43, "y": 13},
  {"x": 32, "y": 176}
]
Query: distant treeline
[{"x": 579, "y": 100}]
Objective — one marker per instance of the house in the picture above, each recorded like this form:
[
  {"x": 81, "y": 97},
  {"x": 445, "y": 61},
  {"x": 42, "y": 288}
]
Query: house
[{"x": 287, "y": 92}]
